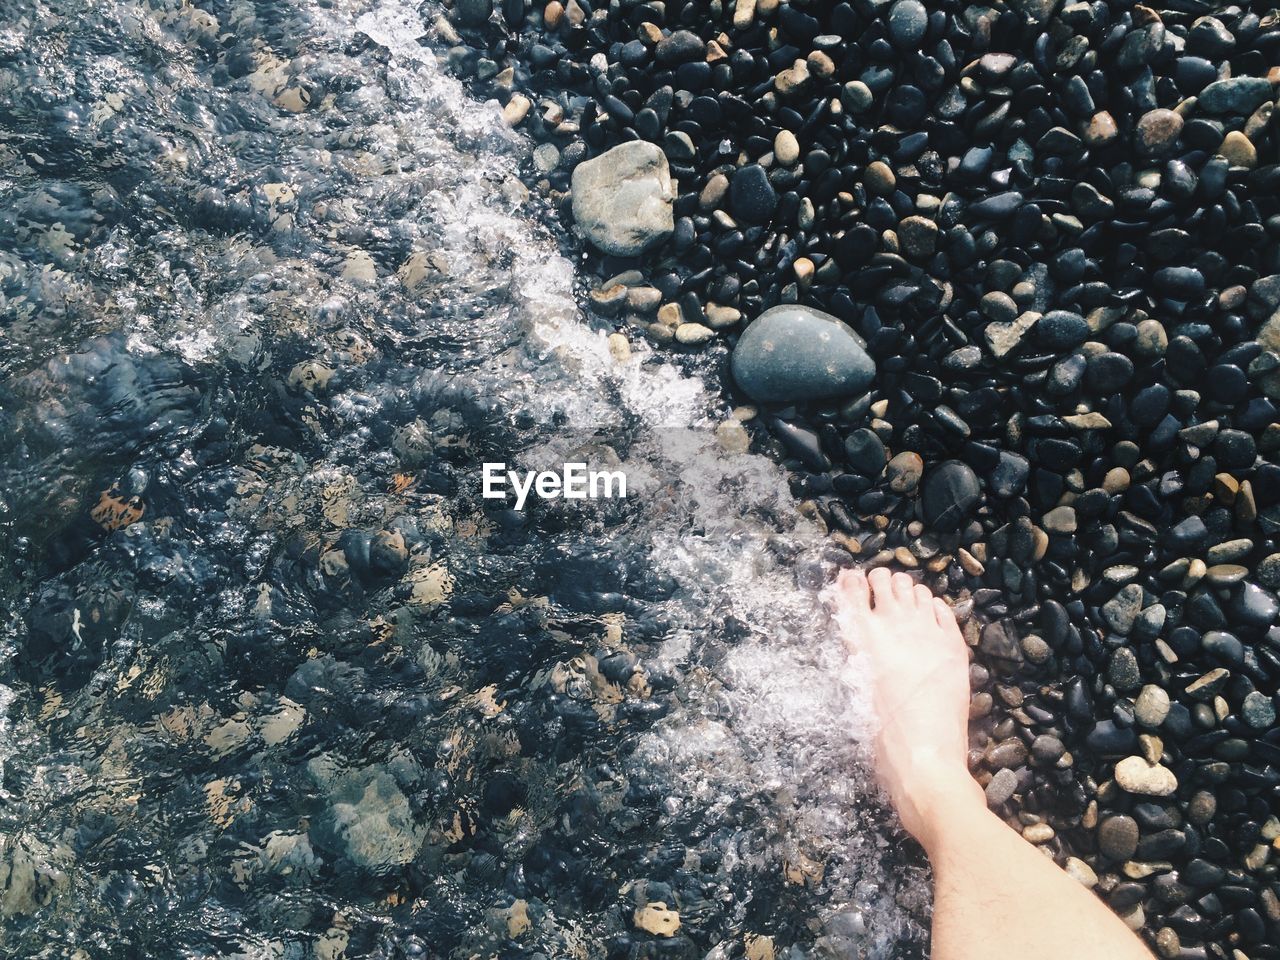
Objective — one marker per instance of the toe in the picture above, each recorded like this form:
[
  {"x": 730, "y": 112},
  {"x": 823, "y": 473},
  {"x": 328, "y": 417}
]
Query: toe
[
  {"x": 881, "y": 583},
  {"x": 924, "y": 597},
  {"x": 945, "y": 616},
  {"x": 904, "y": 589},
  {"x": 856, "y": 593}
]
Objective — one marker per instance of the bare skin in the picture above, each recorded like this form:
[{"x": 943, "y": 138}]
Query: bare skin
[{"x": 996, "y": 896}]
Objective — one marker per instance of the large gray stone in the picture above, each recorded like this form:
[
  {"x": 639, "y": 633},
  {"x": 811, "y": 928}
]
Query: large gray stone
[
  {"x": 795, "y": 353},
  {"x": 622, "y": 199},
  {"x": 1235, "y": 95}
]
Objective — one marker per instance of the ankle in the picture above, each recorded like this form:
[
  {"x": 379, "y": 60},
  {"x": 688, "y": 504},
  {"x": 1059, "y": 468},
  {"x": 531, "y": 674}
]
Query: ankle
[{"x": 937, "y": 797}]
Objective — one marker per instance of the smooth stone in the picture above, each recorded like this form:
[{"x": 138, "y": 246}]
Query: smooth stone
[
  {"x": 1081, "y": 872},
  {"x": 622, "y": 199},
  {"x": 1255, "y": 605},
  {"x": 1009, "y": 478},
  {"x": 1236, "y": 95},
  {"x": 786, "y": 148},
  {"x": 950, "y": 494},
  {"x": 1118, "y": 837},
  {"x": 904, "y": 471},
  {"x": 1239, "y": 150},
  {"x": 1135, "y": 775},
  {"x": 1001, "y": 787},
  {"x": 752, "y": 198},
  {"x": 1101, "y": 129},
  {"x": 682, "y": 46},
  {"x": 1158, "y": 131},
  {"x": 879, "y": 178},
  {"x": 1061, "y": 329},
  {"x": 919, "y": 237},
  {"x": 865, "y": 452},
  {"x": 1060, "y": 520},
  {"x": 1151, "y": 706},
  {"x": 908, "y": 21},
  {"x": 791, "y": 353},
  {"x": 856, "y": 96}
]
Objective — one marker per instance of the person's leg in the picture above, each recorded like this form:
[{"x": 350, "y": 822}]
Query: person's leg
[{"x": 996, "y": 896}]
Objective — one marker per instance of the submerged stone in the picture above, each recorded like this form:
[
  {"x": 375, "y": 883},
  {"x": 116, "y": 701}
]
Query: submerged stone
[{"x": 791, "y": 353}]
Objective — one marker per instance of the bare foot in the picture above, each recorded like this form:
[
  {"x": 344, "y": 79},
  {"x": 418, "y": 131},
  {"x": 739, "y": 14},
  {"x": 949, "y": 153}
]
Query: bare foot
[{"x": 919, "y": 672}]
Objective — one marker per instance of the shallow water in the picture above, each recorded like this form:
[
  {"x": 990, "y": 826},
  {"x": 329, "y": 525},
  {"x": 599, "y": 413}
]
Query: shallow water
[{"x": 279, "y": 683}]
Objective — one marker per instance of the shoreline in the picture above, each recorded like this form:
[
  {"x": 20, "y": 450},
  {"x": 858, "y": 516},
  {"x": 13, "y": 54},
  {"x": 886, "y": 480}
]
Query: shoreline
[{"x": 1053, "y": 231}]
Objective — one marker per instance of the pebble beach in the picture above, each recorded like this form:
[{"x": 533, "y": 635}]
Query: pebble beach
[{"x": 1000, "y": 287}]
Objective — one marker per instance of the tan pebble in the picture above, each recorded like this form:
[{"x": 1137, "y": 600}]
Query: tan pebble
[
  {"x": 516, "y": 110},
  {"x": 619, "y": 348},
  {"x": 1257, "y": 858},
  {"x": 803, "y": 268},
  {"x": 1137, "y": 775},
  {"x": 1100, "y": 129},
  {"x": 786, "y": 149},
  {"x": 720, "y": 317},
  {"x": 792, "y": 80},
  {"x": 692, "y": 334},
  {"x": 821, "y": 65},
  {"x": 1081, "y": 872},
  {"x": 969, "y": 563},
  {"x": 733, "y": 437},
  {"x": 1239, "y": 150},
  {"x": 714, "y": 191},
  {"x": 1195, "y": 573},
  {"x": 1168, "y": 944},
  {"x": 744, "y": 12},
  {"x": 879, "y": 178},
  {"x": 669, "y": 315},
  {"x": 1116, "y": 481},
  {"x": 1038, "y": 833},
  {"x": 657, "y": 918},
  {"x": 1152, "y": 747},
  {"x": 553, "y": 14}
]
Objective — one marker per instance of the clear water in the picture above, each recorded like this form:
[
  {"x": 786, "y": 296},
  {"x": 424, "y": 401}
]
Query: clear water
[{"x": 277, "y": 682}]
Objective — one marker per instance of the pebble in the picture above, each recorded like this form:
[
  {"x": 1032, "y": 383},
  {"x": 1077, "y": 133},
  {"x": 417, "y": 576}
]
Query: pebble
[
  {"x": 752, "y": 198},
  {"x": 908, "y": 21},
  {"x": 1152, "y": 706},
  {"x": 622, "y": 199},
  {"x": 1118, "y": 837},
  {"x": 786, "y": 149},
  {"x": 1158, "y": 131},
  {"x": 950, "y": 494},
  {"x": 1136, "y": 775},
  {"x": 1235, "y": 95},
  {"x": 793, "y": 353},
  {"x": 904, "y": 471},
  {"x": 1239, "y": 150}
]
